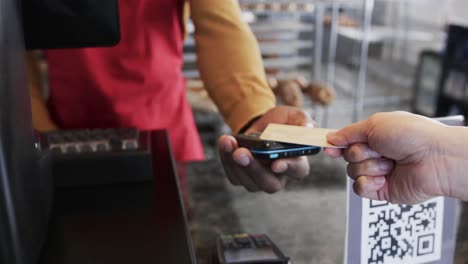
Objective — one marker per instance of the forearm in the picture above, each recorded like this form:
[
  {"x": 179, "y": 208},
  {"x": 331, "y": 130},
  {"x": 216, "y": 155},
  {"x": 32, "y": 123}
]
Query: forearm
[
  {"x": 453, "y": 149},
  {"x": 229, "y": 61},
  {"x": 40, "y": 114}
]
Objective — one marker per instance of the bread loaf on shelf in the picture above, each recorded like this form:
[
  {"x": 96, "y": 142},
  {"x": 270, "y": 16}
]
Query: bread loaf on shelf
[
  {"x": 321, "y": 93},
  {"x": 290, "y": 93}
]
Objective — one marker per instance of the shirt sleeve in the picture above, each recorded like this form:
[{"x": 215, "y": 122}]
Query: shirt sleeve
[{"x": 229, "y": 61}]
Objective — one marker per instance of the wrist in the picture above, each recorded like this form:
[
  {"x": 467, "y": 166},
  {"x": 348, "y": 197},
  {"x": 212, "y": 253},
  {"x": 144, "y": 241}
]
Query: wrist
[
  {"x": 452, "y": 149},
  {"x": 249, "y": 124}
]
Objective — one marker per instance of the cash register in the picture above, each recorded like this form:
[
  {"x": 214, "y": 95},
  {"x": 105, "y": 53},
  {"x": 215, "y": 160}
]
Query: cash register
[{"x": 98, "y": 156}]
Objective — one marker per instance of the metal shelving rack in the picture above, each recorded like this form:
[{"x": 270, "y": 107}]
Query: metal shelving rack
[
  {"x": 286, "y": 33},
  {"x": 284, "y": 30}
]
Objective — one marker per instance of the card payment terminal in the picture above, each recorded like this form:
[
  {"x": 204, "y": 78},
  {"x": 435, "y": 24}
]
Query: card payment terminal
[{"x": 248, "y": 249}]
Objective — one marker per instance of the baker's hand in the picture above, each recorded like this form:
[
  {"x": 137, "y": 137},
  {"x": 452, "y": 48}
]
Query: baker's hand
[
  {"x": 400, "y": 157},
  {"x": 259, "y": 175}
]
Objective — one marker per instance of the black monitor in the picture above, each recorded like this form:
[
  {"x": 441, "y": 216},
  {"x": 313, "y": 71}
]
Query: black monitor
[{"x": 70, "y": 24}]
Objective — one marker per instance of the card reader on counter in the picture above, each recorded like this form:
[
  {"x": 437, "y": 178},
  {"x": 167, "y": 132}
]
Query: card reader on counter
[{"x": 248, "y": 249}]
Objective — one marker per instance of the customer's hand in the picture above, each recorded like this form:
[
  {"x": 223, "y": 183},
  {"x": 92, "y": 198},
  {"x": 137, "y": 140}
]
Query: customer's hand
[
  {"x": 258, "y": 175},
  {"x": 403, "y": 158}
]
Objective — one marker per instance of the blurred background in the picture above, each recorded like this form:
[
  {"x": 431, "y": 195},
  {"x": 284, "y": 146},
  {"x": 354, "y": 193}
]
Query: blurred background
[{"x": 341, "y": 61}]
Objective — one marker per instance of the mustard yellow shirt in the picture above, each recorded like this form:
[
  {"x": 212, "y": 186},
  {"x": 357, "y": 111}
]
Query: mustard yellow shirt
[{"x": 229, "y": 61}]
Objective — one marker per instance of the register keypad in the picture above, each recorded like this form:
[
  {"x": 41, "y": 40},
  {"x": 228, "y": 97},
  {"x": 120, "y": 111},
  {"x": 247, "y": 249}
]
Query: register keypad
[{"x": 92, "y": 140}]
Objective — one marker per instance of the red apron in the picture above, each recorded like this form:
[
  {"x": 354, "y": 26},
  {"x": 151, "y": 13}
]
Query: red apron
[{"x": 138, "y": 83}]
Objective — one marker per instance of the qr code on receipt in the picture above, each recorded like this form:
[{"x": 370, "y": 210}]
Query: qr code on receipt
[{"x": 401, "y": 233}]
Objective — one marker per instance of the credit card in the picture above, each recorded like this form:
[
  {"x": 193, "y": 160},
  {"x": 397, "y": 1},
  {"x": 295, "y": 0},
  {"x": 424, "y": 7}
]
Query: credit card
[{"x": 298, "y": 135}]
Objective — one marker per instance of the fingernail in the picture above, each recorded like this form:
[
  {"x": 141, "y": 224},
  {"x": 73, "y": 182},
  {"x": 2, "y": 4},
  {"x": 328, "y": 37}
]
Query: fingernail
[
  {"x": 280, "y": 167},
  {"x": 379, "y": 180},
  {"x": 335, "y": 139},
  {"x": 243, "y": 160},
  {"x": 385, "y": 165},
  {"x": 228, "y": 147}
]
